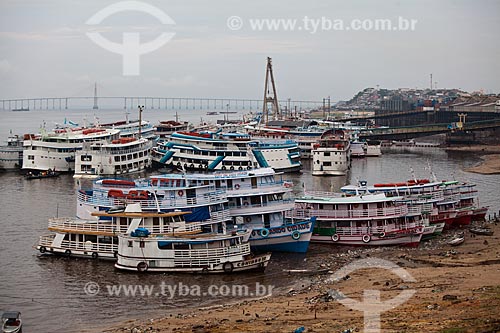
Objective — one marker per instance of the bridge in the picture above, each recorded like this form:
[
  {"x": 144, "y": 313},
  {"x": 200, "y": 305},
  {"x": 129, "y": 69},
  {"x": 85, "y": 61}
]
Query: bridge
[
  {"x": 160, "y": 103},
  {"x": 410, "y": 132}
]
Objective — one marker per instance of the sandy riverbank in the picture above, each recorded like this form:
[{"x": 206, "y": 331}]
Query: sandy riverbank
[
  {"x": 487, "y": 149},
  {"x": 490, "y": 165},
  {"x": 457, "y": 290}
]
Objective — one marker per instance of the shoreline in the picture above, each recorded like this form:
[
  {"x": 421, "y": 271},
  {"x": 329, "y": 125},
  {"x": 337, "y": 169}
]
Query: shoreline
[
  {"x": 489, "y": 165},
  {"x": 452, "y": 295}
]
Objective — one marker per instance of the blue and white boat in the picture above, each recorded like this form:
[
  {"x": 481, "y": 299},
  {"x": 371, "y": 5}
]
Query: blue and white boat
[
  {"x": 210, "y": 151},
  {"x": 248, "y": 199},
  {"x": 258, "y": 200},
  {"x": 94, "y": 233}
]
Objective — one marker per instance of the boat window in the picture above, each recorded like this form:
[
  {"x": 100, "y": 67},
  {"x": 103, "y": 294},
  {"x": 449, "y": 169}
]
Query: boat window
[
  {"x": 326, "y": 153},
  {"x": 130, "y": 243},
  {"x": 165, "y": 245},
  {"x": 327, "y": 163},
  {"x": 181, "y": 246},
  {"x": 142, "y": 244}
]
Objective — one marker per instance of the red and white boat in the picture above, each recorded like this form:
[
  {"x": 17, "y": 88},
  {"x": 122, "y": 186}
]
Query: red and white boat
[
  {"x": 453, "y": 203},
  {"x": 370, "y": 219}
]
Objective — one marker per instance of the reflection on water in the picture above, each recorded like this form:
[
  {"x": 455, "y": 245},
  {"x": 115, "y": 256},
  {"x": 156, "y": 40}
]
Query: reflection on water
[{"x": 49, "y": 290}]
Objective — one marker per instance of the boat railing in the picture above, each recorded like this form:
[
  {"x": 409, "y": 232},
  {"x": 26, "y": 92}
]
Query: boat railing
[
  {"x": 249, "y": 188},
  {"x": 358, "y": 213},
  {"x": 143, "y": 147},
  {"x": 89, "y": 246},
  {"x": 264, "y": 204},
  {"x": 391, "y": 228},
  {"x": 242, "y": 249},
  {"x": 151, "y": 204},
  {"x": 46, "y": 240},
  {"x": 415, "y": 209},
  {"x": 324, "y": 194},
  {"x": 437, "y": 195},
  {"x": 106, "y": 228}
]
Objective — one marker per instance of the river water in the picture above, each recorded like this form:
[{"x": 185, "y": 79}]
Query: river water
[{"x": 49, "y": 291}]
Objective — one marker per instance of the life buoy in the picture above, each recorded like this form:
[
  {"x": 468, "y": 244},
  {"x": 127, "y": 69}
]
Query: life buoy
[
  {"x": 42, "y": 249},
  {"x": 335, "y": 237},
  {"x": 185, "y": 166},
  {"x": 382, "y": 234},
  {"x": 366, "y": 238},
  {"x": 206, "y": 166},
  {"x": 191, "y": 166},
  {"x": 200, "y": 166},
  {"x": 264, "y": 232},
  {"x": 223, "y": 167},
  {"x": 180, "y": 193},
  {"x": 95, "y": 255},
  {"x": 204, "y": 270},
  {"x": 296, "y": 235},
  {"x": 249, "y": 168},
  {"x": 142, "y": 266},
  {"x": 228, "y": 267},
  {"x": 237, "y": 186},
  {"x": 179, "y": 164},
  {"x": 240, "y": 168},
  {"x": 67, "y": 253},
  {"x": 248, "y": 219},
  {"x": 231, "y": 168}
]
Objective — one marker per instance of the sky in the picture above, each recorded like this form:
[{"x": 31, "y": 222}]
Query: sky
[{"x": 45, "y": 51}]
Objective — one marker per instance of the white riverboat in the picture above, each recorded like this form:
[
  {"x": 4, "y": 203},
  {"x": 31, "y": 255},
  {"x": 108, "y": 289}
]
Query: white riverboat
[
  {"x": 258, "y": 200},
  {"x": 131, "y": 129},
  {"x": 331, "y": 155},
  {"x": 373, "y": 148},
  {"x": 56, "y": 150},
  {"x": 11, "y": 155},
  {"x": 118, "y": 157},
  {"x": 358, "y": 148},
  {"x": 449, "y": 202},
  {"x": 305, "y": 136},
  {"x": 96, "y": 228},
  {"x": 177, "y": 251},
  {"x": 370, "y": 219},
  {"x": 166, "y": 128},
  {"x": 225, "y": 151}
]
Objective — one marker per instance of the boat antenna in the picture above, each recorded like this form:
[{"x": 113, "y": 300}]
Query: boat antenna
[
  {"x": 140, "y": 119},
  {"x": 156, "y": 200},
  {"x": 433, "y": 175},
  {"x": 413, "y": 174}
]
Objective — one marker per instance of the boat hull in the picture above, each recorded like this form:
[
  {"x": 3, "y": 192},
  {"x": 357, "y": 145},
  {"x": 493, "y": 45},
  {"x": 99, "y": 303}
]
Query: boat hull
[
  {"x": 357, "y": 240},
  {"x": 256, "y": 263},
  {"x": 287, "y": 238}
]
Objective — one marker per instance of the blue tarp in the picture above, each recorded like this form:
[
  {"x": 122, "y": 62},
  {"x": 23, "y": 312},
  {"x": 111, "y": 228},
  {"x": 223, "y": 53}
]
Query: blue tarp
[{"x": 197, "y": 214}]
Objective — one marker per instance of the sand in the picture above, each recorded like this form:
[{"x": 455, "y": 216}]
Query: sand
[
  {"x": 490, "y": 165},
  {"x": 457, "y": 289}
]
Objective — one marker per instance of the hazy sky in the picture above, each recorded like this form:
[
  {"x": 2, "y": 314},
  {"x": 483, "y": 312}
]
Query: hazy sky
[{"x": 44, "y": 50}]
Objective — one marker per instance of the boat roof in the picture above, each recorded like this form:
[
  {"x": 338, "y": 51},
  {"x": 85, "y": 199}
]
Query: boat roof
[
  {"x": 340, "y": 198},
  {"x": 353, "y": 188},
  {"x": 220, "y": 174},
  {"x": 140, "y": 214}
]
